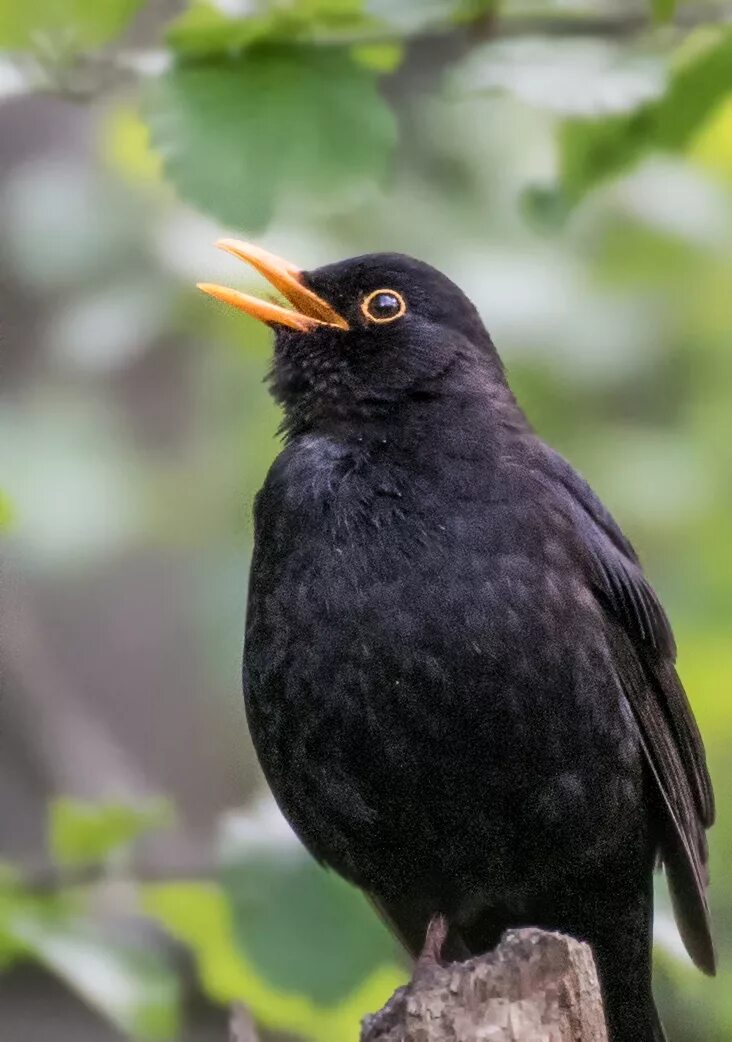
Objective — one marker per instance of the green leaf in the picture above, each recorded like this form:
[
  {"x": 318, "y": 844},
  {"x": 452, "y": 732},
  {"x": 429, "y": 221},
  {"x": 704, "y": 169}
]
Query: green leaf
[
  {"x": 204, "y": 29},
  {"x": 663, "y": 10},
  {"x": 82, "y": 833},
  {"x": 580, "y": 77},
  {"x": 281, "y": 904},
  {"x": 544, "y": 207},
  {"x": 66, "y": 25},
  {"x": 13, "y": 900},
  {"x": 593, "y": 150},
  {"x": 199, "y": 915},
  {"x": 130, "y": 986},
  {"x": 331, "y": 15},
  {"x": 303, "y": 122},
  {"x": 6, "y": 511},
  {"x": 381, "y": 57}
]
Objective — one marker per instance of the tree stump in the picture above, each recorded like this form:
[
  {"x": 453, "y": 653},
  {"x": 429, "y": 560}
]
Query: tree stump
[{"x": 535, "y": 987}]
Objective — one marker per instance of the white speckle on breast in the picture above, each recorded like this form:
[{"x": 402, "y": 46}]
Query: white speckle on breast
[{"x": 314, "y": 464}]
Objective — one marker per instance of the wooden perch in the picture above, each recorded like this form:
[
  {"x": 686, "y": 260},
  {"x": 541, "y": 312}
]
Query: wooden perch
[{"x": 535, "y": 987}]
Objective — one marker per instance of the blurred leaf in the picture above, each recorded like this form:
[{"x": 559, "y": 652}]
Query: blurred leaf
[
  {"x": 580, "y": 77},
  {"x": 712, "y": 145},
  {"x": 81, "y": 832},
  {"x": 593, "y": 150},
  {"x": 6, "y": 511},
  {"x": 199, "y": 915},
  {"x": 470, "y": 10},
  {"x": 689, "y": 1002},
  {"x": 663, "y": 10},
  {"x": 68, "y": 24},
  {"x": 414, "y": 15},
  {"x": 546, "y": 208},
  {"x": 129, "y": 985},
  {"x": 330, "y": 12},
  {"x": 133, "y": 988},
  {"x": 235, "y": 136},
  {"x": 280, "y": 905},
  {"x": 125, "y": 143},
  {"x": 13, "y": 900},
  {"x": 381, "y": 57},
  {"x": 206, "y": 29},
  {"x": 705, "y": 663}
]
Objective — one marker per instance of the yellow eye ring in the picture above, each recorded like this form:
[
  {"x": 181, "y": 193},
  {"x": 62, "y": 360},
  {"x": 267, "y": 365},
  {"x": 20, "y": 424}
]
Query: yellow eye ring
[{"x": 382, "y": 312}]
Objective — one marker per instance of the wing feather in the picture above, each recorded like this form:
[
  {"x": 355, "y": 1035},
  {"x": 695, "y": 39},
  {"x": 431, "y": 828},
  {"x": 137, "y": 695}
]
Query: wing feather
[{"x": 645, "y": 653}]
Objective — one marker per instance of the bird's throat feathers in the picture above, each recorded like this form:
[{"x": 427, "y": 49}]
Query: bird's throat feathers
[
  {"x": 322, "y": 392},
  {"x": 359, "y": 469}
]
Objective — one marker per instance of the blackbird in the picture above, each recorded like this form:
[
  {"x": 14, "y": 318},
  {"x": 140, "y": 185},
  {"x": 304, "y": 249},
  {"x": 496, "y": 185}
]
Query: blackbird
[{"x": 458, "y": 680}]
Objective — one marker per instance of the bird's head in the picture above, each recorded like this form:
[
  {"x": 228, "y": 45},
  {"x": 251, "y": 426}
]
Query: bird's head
[{"x": 363, "y": 334}]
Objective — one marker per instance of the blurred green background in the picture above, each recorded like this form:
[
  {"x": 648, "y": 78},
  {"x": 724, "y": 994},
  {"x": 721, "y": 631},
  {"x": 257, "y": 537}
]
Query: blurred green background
[{"x": 569, "y": 165}]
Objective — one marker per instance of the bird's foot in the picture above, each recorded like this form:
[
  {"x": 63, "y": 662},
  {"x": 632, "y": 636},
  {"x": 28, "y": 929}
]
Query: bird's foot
[
  {"x": 393, "y": 1014},
  {"x": 431, "y": 955}
]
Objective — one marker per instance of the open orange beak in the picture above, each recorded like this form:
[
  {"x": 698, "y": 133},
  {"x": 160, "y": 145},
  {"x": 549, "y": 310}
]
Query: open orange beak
[{"x": 311, "y": 310}]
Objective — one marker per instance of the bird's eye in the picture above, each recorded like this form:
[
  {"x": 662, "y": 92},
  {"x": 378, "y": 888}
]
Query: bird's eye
[{"x": 383, "y": 305}]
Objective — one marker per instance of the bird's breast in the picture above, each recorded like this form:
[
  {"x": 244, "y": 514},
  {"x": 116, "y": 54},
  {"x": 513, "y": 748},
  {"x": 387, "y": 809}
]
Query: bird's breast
[
  {"x": 404, "y": 641},
  {"x": 379, "y": 611},
  {"x": 368, "y": 559}
]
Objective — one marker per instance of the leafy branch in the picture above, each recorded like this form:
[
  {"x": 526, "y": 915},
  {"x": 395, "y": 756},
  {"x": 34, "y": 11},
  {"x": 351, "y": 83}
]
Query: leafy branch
[
  {"x": 305, "y": 102},
  {"x": 57, "y": 61},
  {"x": 236, "y": 916}
]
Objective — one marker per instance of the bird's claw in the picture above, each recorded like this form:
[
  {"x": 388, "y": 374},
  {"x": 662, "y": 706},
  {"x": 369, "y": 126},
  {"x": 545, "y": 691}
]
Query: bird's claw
[{"x": 431, "y": 955}]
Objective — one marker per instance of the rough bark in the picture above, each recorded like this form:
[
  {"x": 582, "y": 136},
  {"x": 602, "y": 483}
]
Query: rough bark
[{"x": 535, "y": 987}]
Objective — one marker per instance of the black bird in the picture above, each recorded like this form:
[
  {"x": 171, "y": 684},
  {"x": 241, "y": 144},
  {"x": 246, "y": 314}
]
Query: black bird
[{"x": 459, "y": 682}]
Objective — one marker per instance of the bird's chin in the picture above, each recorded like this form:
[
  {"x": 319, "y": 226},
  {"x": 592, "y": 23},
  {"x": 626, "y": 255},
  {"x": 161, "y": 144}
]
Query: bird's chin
[
  {"x": 309, "y": 370},
  {"x": 321, "y": 347}
]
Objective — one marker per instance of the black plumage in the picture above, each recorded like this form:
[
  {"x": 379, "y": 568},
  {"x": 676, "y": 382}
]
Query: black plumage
[{"x": 459, "y": 682}]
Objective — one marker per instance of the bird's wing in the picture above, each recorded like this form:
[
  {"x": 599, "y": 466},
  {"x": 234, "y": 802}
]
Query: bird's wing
[{"x": 645, "y": 655}]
